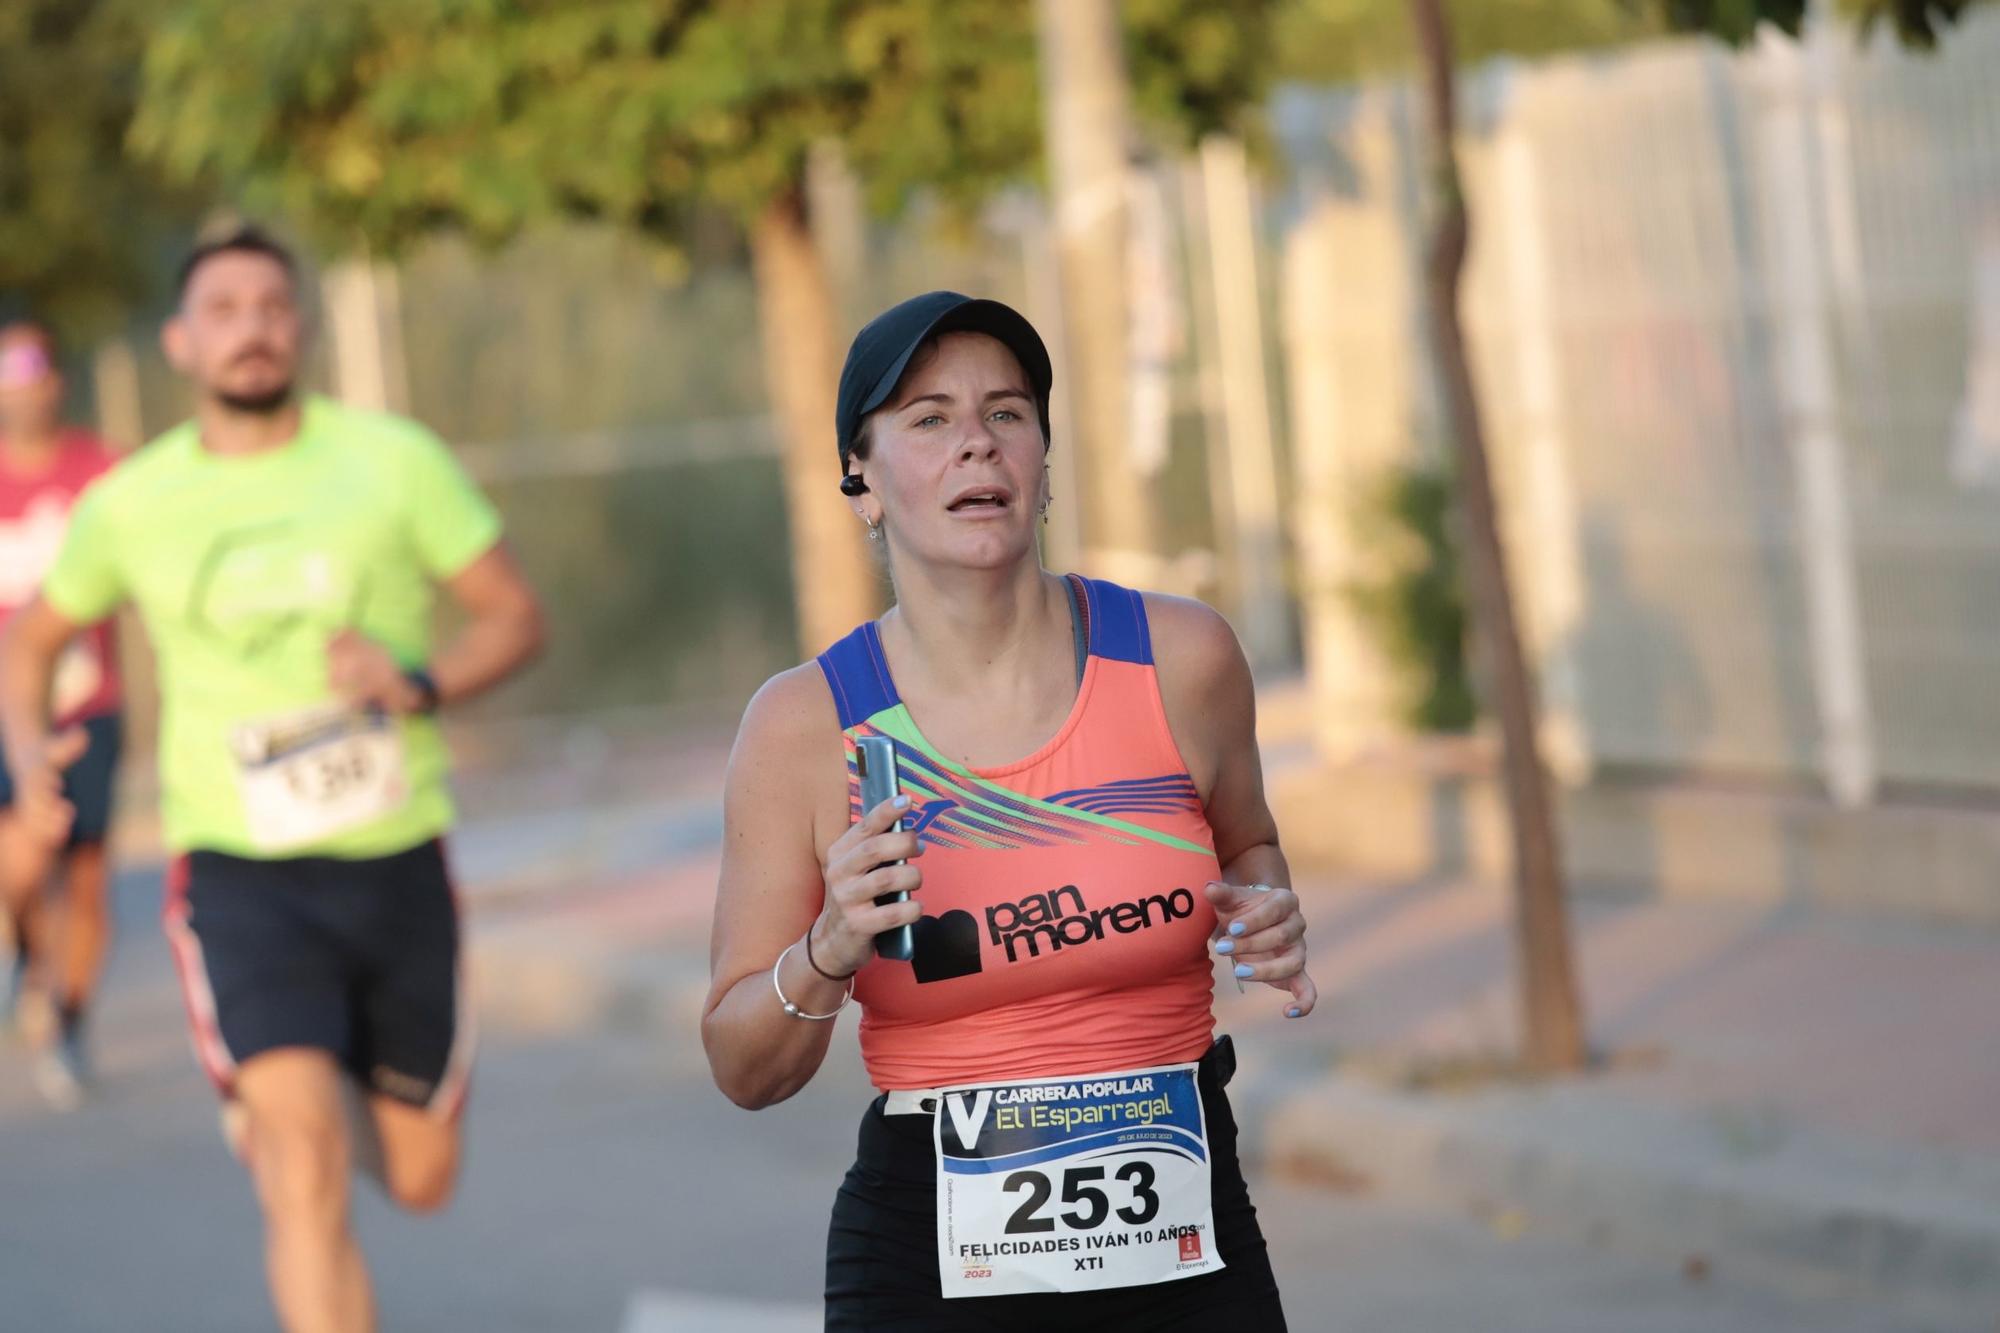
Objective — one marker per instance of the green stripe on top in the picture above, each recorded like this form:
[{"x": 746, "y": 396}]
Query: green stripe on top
[{"x": 897, "y": 724}]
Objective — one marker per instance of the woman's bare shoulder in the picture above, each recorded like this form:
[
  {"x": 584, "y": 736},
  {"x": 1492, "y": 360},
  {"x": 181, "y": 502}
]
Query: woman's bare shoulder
[
  {"x": 1193, "y": 645},
  {"x": 788, "y": 761},
  {"x": 792, "y": 707}
]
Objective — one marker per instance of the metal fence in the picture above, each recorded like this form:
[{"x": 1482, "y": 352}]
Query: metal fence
[{"x": 1732, "y": 315}]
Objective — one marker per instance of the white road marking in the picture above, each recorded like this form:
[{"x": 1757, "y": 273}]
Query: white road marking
[{"x": 697, "y": 1312}]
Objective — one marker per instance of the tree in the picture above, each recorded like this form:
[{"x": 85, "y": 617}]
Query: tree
[
  {"x": 1084, "y": 100},
  {"x": 1551, "y": 1009},
  {"x": 381, "y": 122},
  {"x": 78, "y": 220}
]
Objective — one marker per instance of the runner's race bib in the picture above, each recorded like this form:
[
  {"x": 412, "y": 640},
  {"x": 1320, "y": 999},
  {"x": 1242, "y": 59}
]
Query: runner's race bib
[
  {"x": 1073, "y": 1184},
  {"x": 310, "y": 775}
]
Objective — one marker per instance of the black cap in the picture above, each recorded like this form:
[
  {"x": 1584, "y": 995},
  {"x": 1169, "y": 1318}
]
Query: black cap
[{"x": 881, "y": 352}]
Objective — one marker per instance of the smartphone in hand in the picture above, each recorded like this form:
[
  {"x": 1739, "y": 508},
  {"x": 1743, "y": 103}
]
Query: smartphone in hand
[{"x": 875, "y": 757}]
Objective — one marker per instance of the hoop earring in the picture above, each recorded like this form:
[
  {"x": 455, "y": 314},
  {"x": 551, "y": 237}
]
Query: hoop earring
[{"x": 874, "y": 529}]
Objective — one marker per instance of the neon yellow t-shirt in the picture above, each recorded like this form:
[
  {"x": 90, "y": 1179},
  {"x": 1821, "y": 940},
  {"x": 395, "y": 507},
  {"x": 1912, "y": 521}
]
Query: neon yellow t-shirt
[{"x": 242, "y": 569}]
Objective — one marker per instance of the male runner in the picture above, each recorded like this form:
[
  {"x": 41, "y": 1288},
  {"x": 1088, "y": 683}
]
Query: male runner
[
  {"x": 282, "y": 552},
  {"x": 61, "y": 925}
]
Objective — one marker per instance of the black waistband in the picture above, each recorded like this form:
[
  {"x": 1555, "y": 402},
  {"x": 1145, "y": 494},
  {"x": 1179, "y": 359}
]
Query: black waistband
[{"x": 1220, "y": 1062}]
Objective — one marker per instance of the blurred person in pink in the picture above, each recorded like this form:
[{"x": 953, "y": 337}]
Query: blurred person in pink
[{"x": 54, "y": 880}]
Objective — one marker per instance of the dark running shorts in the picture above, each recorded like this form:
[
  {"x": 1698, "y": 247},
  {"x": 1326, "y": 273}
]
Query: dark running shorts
[
  {"x": 881, "y": 1249},
  {"x": 87, "y": 782},
  {"x": 356, "y": 958}
]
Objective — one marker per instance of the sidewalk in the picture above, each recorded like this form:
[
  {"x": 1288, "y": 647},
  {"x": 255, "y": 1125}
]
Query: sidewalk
[{"x": 1778, "y": 1088}]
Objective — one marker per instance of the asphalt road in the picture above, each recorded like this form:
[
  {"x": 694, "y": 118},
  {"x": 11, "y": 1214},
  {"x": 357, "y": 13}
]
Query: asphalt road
[{"x": 609, "y": 1187}]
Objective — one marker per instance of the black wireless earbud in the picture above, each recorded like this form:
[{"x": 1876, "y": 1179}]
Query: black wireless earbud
[{"x": 851, "y": 485}]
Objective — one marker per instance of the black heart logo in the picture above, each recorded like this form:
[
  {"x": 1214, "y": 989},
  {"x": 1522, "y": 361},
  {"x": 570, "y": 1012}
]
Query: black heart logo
[{"x": 946, "y": 946}]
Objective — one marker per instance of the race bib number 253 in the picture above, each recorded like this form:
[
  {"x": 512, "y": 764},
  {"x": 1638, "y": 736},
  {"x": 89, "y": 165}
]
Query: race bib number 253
[{"x": 1073, "y": 1184}]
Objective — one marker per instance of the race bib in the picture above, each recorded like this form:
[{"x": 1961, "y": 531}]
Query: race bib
[
  {"x": 1073, "y": 1184},
  {"x": 311, "y": 775}
]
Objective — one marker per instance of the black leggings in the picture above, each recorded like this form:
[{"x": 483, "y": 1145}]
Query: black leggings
[{"x": 881, "y": 1249}]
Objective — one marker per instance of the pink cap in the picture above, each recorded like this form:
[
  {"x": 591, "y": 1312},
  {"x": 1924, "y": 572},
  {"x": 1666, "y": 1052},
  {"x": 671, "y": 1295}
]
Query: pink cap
[{"x": 24, "y": 363}]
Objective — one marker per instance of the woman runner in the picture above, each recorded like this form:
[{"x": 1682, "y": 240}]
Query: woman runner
[{"x": 1082, "y": 820}]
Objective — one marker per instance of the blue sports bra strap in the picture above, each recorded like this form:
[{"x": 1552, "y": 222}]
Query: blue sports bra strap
[
  {"x": 854, "y": 672},
  {"x": 1118, "y": 623}
]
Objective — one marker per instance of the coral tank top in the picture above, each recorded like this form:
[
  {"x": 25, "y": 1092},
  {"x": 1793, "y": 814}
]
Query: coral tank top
[{"x": 1065, "y": 930}]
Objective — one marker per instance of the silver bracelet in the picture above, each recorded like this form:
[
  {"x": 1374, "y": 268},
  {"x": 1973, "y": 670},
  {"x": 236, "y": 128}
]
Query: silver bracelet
[{"x": 793, "y": 1009}]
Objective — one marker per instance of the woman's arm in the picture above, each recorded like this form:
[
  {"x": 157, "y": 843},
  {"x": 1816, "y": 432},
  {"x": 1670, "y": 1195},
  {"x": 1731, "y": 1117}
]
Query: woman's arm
[
  {"x": 1211, "y": 704},
  {"x": 783, "y": 799}
]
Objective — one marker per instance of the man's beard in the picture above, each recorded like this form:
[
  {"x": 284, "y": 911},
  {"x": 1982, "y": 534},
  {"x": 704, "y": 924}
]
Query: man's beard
[{"x": 268, "y": 403}]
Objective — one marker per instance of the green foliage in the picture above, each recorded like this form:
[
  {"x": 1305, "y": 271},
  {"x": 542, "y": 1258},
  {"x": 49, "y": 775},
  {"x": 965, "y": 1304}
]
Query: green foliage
[
  {"x": 1339, "y": 41},
  {"x": 1734, "y": 21},
  {"x": 1198, "y": 66},
  {"x": 1415, "y": 603},
  {"x": 1917, "y": 23},
  {"x": 77, "y": 221},
  {"x": 391, "y": 119}
]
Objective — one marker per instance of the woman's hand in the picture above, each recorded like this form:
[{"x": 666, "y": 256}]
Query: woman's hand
[
  {"x": 1262, "y": 930},
  {"x": 843, "y": 938}
]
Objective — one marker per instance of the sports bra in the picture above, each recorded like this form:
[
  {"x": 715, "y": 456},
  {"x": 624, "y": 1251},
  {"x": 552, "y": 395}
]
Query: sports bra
[{"x": 1065, "y": 930}]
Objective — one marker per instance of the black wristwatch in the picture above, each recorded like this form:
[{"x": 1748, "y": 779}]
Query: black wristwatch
[{"x": 427, "y": 690}]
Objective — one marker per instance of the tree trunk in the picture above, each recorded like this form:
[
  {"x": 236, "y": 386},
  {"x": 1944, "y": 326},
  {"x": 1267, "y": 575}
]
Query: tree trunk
[
  {"x": 1084, "y": 125},
  {"x": 836, "y": 584},
  {"x": 1552, "y": 1015}
]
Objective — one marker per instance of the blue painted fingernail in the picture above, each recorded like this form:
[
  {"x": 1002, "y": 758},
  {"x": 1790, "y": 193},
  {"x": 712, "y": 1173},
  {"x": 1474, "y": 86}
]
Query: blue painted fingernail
[
  {"x": 1236, "y": 927},
  {"x": 1243, "y": 969},
  {"x": 902, "y": 802},
  {"x": 1292, "y": 1012},
  {"x": 1225, "y": 946}
]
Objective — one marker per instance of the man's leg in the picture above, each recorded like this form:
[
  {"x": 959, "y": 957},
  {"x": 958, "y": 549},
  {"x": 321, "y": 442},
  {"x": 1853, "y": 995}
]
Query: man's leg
[
  {"x": 24, "y": 871},
  {"x": 81, "y": 930},
  {"x": 71, "y": 930},
  {"x": 409, "y": 1151},
  {"x": 417, "y": 1034},
  {"x": 300, "y": 1159},
  {"x": 79, "y": 926},
  {"x": 26, "y": 1006},
  {"x": 268, "y": 1000}
]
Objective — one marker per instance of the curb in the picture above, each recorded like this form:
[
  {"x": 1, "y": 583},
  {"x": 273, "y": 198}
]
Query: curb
[{"x": 1713, "y": 1187}]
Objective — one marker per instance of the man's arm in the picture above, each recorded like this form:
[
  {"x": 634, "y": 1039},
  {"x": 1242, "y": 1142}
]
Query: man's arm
[
  {"x": 503, "y": 632},
  {"x": 34, "y": 639}
]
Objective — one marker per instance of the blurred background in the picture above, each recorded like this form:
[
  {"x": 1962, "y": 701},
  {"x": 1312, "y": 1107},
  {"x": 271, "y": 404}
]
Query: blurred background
[{"x": 1732, "y": 314}]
